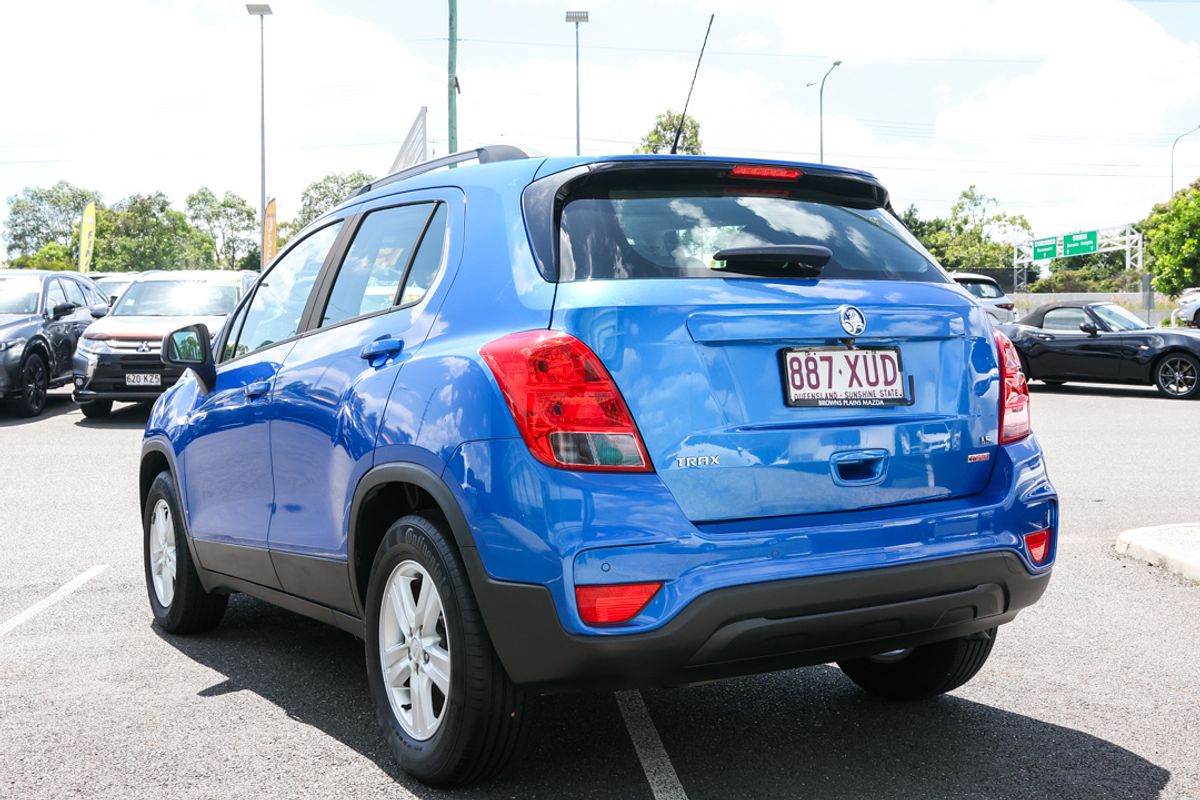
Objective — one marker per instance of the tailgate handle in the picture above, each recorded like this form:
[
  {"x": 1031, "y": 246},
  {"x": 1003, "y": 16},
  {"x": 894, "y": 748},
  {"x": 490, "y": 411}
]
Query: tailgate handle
[{"x": 858, "y": 467}]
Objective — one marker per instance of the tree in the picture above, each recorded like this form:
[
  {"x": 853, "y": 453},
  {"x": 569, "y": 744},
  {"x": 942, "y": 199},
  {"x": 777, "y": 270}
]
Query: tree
[
  {"x": 229, "y": 221},
  {"x": 1172, "y": 234},
  {"x": 37, "y": 217},
  {"x": 662, "y": 135},
  {"x": 324, "y": 194},
  {"x": 974, "y": 236},
  {"x": 143, "y": 232},
  {"x": 51, "y": 255}
]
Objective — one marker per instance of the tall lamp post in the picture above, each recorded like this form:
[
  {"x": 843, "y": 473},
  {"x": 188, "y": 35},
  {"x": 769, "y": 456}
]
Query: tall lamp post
[
  {"x": 821, "y": 104},
  {"x": 1177, "y": 138},
  {"x": 261, "y": 10},
  {"x": 577, "y": 17}
]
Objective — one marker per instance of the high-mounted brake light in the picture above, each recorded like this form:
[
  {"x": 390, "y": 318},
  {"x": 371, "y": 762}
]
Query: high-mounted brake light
[
  {"x": 1038, "y": 545},
  {"x": 566, "y": 405},
  {"x": 1014, "y": 392},
  {"x": 612, "y": 603},
  {"x": 764, "y": 171}
]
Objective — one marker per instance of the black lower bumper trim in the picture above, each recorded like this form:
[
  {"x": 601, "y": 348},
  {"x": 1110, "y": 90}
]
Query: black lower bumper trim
[{"x": 759, "y": 627}]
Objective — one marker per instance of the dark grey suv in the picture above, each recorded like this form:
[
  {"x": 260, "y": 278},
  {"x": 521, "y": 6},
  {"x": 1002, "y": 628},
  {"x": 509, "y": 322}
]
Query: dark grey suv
[{"x": 42, "y": 315}]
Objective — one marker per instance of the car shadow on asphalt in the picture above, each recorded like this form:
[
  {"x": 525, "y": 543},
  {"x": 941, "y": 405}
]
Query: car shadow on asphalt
[
  {"x": 316, "y": 674},
  {"x": 124, "y": 416},
  {"x": 1097, "y": 390},
  {"x": 800, "y": 733},
  {"x": 57, "y": 404}
]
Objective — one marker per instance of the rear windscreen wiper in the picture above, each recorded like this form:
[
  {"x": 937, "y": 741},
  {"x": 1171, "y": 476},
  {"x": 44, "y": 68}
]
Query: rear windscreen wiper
[{"x": 799, "y": 260}]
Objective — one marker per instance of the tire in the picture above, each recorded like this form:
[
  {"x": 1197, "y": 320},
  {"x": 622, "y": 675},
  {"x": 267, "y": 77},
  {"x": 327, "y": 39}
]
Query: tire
[
  {"x": 480, "y": 722},
  {"x": 1177, "y": 375},
  {"x": 1196, "y": 319},
  {"x": 96, "y": 409},
  {"x": 925, "y": 671},
  {"x": 180, "y": 605},
  {"x": 35, "y": 383}
]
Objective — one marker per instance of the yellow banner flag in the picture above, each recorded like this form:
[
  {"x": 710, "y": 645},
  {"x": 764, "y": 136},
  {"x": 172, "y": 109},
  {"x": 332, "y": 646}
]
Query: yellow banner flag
[
  {"x": 270, "y": 238},
  {"x": 87, "y": 237}
]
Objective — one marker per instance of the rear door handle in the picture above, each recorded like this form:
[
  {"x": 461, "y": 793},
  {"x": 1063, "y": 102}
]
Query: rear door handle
[
  {"x": 257, "y": 389},
  {"x": 386, "y": 346}
]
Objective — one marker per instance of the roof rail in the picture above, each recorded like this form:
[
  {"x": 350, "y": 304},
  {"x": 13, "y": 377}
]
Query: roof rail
[{"x": 487, "y": 154}]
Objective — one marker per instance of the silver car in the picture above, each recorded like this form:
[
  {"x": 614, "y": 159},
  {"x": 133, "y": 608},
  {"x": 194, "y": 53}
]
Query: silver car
[{"x": 989, "y": 294}]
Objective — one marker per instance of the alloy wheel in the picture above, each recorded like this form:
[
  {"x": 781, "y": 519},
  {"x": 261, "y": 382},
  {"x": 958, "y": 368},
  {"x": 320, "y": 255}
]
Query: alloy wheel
[
  {"x": 1178, "y": 376},
  {"x": 414, "y": 650},
  {"x": 162, "y": 553},
  {"x": 35, "y": 383}
]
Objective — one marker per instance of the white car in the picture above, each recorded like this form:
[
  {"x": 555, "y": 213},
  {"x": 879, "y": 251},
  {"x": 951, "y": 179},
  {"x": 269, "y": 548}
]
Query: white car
[
  {"x": 989, "y": 294},
  {"x": 1189, "y": 307}
]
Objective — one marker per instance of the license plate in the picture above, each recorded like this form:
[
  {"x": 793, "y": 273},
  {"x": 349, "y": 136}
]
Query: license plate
[
  {"x": 143, "y": 379},
  {"x": 839, "y": 376}
]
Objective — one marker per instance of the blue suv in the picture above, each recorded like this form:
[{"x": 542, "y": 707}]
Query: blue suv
[{"x": 540, "y": 423}]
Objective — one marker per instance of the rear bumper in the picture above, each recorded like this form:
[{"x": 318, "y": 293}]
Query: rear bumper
[{"x": 760, "y": 627}]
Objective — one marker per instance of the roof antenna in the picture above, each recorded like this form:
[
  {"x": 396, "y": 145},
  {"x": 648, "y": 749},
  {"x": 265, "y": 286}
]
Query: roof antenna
[{"x": 683, "y": 116}]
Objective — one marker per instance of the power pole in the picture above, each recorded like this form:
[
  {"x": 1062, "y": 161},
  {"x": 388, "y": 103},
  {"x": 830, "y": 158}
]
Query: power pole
[{"x": 452, "y": 77}]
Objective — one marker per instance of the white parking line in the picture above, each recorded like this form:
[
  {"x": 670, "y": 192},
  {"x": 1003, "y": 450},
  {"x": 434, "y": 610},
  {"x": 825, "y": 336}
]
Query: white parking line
[
  {"x": 62, "y": 592},
  {"x": 660, "y": 772}
]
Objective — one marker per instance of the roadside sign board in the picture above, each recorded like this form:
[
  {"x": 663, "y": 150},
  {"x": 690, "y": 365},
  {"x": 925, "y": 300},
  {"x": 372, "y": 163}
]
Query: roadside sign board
[
  {"x": 1079, "y": 244},
  {"x": 1045, "y": 249}
]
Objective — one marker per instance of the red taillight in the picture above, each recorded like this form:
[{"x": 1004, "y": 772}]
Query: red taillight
[
  {"x": 1014, "y": 392},
  {"x": 1038, "y": 545},
  {"x": 764, "y": 171},
  {"x": 566, "y": 405},
  {"x": 613, "y": 603},
  {"x": 1006, "y": 306}
]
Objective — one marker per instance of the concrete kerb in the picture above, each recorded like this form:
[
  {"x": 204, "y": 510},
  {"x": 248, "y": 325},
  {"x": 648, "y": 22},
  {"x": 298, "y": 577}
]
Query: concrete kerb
[{"x": 1175, "y": 548}]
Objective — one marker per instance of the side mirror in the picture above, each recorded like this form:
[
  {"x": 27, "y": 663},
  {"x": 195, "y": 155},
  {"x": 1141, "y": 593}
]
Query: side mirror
[
  {"x": 99, "y": 310},
  {"x": 62, "y": 310},
  {"x": 191, "y": 348},
  {"x": 1089, "y": 328}
]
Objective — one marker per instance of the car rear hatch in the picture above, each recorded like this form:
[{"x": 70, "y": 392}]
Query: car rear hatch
[{"x": 824, "y": 364}]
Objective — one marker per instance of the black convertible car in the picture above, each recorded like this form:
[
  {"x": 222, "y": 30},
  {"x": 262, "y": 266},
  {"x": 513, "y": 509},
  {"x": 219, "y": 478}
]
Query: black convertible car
[{"x": 1104, "y": 343}]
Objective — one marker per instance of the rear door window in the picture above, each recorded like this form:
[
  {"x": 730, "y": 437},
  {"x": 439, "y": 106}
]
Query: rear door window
[
  {"x": 984, "y": 290},
  {"x": 674, "y": 231},
  {"x": 371, "y": 275}
]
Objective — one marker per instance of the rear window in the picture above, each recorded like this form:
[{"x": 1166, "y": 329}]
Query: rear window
[
  {"x": 674, "y": 232},
  {"x": 183, "y": 298},
  {"x": 985, "y": 290}
]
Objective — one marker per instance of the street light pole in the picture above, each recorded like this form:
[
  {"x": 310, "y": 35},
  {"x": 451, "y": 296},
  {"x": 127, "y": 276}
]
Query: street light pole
[
  {"x": 821, "y": 104},
  {"x": 577, "y": 17},
  {"x": 261, "y": 10},
  {"x": 1177, "y": 138}
]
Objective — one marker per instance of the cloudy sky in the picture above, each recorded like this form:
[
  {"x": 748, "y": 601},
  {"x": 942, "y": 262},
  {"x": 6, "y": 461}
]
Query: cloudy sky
[{"x": 1063, "y": 109}]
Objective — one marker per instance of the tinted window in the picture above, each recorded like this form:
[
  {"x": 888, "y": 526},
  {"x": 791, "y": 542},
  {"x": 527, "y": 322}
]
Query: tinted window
[
  {"x": 428, "y": 262},
  {"x": 176, "y": 298},
  {"x": 74, "y": 292},
  {"x": 20, "y": 294},
  {"x": 1064, "y": 319},
  {"x": 985, "y": 290},
  {"x": 54, "y": 295},
  {"x": 669, "y": 233},
  {"x": 278, "y": 302},
  {"x": 370, "y": 276}
]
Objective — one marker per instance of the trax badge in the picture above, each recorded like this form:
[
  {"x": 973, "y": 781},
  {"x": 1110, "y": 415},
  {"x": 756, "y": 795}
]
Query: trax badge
[
  {"x": 975, "y": 458},
  {"x": 698, "y": 461},
  {"x": 853, "y": 320}
]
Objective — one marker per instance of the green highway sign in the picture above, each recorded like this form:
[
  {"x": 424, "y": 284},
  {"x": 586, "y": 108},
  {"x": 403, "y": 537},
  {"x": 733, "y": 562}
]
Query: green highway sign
[
  {"x": 1045, "y": 249},
  {"x": 1079, "y": 244}
]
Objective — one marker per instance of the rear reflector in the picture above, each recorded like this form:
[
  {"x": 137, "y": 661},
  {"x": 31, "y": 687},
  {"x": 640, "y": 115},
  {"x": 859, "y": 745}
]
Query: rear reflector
[
  {"x": 565, "y": 403},
  {"x": 1038, "y": 545},
  {"x": 612, "y": 603},
  {"x": 767, "y": 172},
  {"x": 1014, "y": 392}
]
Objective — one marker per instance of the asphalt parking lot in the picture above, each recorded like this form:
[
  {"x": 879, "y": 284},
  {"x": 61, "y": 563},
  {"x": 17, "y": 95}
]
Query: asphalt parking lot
[{"x": 1090, "y": 694}]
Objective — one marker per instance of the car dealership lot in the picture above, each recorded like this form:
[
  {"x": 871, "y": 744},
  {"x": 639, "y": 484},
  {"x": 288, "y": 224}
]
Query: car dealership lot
[{"x": 1089, "y": 694}]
